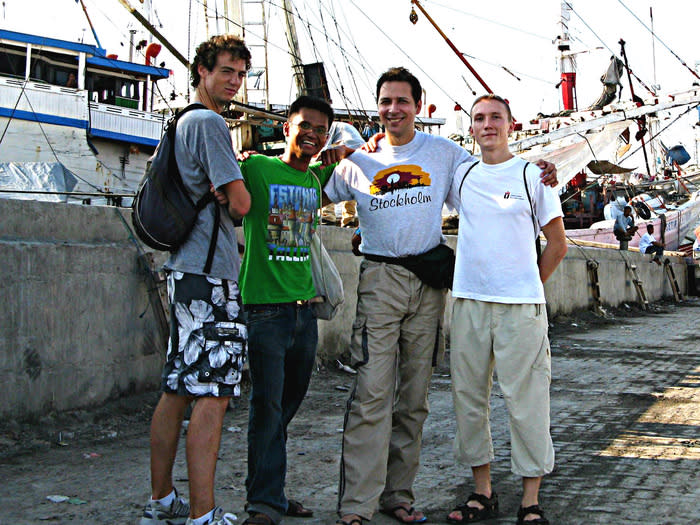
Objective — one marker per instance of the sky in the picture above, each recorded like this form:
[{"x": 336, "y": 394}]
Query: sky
[{"x": 508, "y": 42}]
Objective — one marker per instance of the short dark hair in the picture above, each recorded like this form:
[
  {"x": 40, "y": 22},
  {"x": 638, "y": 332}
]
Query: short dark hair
[
  {"x": 627, "y": 207},
  {"x": 308, "y": 102},
  {"x": 491, "y": 96},
  {"x": 401, "y": 74},
  {"x": 650, "y": 227},
  {"x": 209, "y": 50}
]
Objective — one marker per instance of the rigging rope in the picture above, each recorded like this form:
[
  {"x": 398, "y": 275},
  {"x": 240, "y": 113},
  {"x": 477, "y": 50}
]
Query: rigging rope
[
  {"x": 462, "y": 106},
  {"x": 512, "y": 28},
  {"x": 9, "y": 119},
  {"x": 43, "y": 132},
  {"x": 659, "y": 132},
  {"x": 660, "y": 41},
  {"x": 570, "y": 6},
  {"x": 345, "y": 59},
  {"x": 308, "y": 27},
  {"x": 368, "y": 81}
]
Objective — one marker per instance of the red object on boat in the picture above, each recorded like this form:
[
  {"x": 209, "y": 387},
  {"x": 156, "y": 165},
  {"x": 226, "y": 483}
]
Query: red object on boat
[
  {"x": 152, "y": 52},
  {"x": 568, "y": 85}
]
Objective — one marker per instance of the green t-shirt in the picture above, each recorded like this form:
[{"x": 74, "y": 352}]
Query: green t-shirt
[{"x": 278, "y": 228}]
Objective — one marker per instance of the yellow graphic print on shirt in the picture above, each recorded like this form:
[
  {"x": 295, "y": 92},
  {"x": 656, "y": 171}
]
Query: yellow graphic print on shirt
[{"x": 400, "y": 177}]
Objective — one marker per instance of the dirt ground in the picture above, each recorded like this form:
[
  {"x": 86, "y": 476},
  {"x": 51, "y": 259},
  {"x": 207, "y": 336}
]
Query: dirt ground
[{"x": 97, "y": 458}]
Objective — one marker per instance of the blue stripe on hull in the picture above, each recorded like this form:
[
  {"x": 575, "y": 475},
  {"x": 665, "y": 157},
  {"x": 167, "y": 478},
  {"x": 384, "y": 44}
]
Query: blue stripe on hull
[
  {"x": 122, "y": 137},
  {"x": 76, "y": 123},
  {"x": 44, "y": 118}
]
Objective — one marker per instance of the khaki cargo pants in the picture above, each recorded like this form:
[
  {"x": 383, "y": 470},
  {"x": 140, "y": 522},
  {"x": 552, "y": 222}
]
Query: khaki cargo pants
[{"x": 396, "y": 341}]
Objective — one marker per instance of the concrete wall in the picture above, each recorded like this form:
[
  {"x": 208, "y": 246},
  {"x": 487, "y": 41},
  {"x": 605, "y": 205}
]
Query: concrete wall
[{"x": 77, "y": 326}]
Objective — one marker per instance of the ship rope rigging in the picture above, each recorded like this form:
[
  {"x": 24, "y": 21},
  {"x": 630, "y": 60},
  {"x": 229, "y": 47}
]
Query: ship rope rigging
[
  {"x": 656, "y": 37},
  {"x": 571, "y": 7},
  {"x": 43, "y": 132}
]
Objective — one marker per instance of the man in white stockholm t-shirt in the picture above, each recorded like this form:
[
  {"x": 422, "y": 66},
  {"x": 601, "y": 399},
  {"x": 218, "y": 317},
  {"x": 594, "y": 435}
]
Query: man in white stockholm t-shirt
[{"x": 499, "y": 318}]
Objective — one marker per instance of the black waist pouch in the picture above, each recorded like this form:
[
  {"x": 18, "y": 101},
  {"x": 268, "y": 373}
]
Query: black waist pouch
[{"x": 436, "y": 267}]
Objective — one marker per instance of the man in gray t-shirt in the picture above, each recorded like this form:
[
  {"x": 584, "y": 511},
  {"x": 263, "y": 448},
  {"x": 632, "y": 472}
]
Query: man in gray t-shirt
[{"x": 207, "y": 343}]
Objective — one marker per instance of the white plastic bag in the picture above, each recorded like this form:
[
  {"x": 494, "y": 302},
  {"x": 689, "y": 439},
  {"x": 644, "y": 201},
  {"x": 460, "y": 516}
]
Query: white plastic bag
[{"x": 327, "y": 281}]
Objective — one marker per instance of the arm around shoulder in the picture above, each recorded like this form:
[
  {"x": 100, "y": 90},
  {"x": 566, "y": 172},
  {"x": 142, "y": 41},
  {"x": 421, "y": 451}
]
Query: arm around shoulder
[
  {"x": 556, "y": 247},
  {"x": 238, "y": 198}
]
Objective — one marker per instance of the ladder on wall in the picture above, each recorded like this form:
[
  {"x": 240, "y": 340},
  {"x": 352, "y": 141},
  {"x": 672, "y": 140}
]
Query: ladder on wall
[
  {"x": 632, "y": 268},
  {"x": 672, "y": 281}
]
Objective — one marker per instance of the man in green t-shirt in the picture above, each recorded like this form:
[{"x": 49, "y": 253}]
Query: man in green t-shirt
[{"x": 276, "y": 288}]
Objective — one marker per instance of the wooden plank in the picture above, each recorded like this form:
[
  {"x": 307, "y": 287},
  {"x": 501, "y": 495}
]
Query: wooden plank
[{"x": 594, "y": 244}]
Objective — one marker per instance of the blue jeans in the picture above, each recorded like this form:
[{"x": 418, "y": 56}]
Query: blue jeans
[{"x": 282, "y": 343}]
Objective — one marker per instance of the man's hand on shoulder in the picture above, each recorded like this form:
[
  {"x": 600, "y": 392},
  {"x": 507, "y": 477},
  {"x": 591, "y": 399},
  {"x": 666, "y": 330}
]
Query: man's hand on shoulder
[
  {"x": 548, "y": 177},
  {"x": 245, "y": 155},
  {"x": 371, "y": 145},
  {"x": 335, "y": 154}
]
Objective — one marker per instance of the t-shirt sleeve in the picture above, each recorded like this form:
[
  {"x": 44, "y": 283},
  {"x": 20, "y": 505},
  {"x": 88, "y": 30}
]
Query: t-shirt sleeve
[
  {"x": 545, "y": 199},
  {"x": 337, "y": 187}
]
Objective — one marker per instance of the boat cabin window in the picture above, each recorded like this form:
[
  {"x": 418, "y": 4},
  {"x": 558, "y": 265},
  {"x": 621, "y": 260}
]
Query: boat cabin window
[
  {"x": 13, "y": 61},
  {"x": 54, "y": 68},
  {"x": 113, "y": 90}
]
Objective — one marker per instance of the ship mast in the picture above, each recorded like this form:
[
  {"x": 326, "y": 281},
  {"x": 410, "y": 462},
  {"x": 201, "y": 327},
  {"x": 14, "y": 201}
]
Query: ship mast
[
  {"x": 293, "y": 43},
  {"x": 567, "y": 62},
  {"x": 414, "y": 18}
]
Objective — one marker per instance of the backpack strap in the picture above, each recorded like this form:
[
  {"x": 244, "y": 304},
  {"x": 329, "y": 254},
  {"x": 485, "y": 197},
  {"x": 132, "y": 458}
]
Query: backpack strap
[
  {"x": 465, "y": 178},
  {"x": 538, "y": 246},
  {"x": 214, "y": 238},
  {"x": 208, "y": 197}
]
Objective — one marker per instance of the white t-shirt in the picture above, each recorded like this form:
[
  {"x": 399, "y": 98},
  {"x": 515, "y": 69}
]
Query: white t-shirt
[
  {"x": 646, "y": 241},
  {"x": 400, "y": 191},
  {"x": 496, "y": 255}
]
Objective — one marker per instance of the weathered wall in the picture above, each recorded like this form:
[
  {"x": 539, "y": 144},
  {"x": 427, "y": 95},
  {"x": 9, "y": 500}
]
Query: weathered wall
[{"x": 77, "y": 326}]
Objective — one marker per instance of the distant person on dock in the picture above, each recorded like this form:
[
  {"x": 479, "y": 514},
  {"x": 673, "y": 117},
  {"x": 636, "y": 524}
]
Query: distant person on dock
[
  {"x": 649, "y": 244},
  {"x": 499, "y": 319},
  {"x": 400, "y": 190},
  {"x": 207, "y": 343},
  {"x": 624, "y": 228}
]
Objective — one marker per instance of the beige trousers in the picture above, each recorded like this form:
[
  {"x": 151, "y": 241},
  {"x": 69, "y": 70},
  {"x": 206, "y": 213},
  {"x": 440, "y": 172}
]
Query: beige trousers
[
  {"x": 512, "y": 338},
  {"x": 395, "y": 343},
  {"x": 349, "y": 213}
]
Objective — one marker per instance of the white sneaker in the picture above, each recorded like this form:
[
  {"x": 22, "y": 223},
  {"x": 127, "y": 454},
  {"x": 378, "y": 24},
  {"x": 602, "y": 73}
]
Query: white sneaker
[
  {"x": 156, "y": 514},
  {"x": 220, "y": 518}
]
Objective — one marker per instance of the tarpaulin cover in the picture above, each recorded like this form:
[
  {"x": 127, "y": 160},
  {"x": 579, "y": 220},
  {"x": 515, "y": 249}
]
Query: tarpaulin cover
[{"x": 37, "y": 176}]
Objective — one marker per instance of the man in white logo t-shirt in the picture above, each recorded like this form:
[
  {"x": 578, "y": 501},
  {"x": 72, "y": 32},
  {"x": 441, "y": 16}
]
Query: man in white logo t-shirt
[{"x": 499, "y": 318}]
